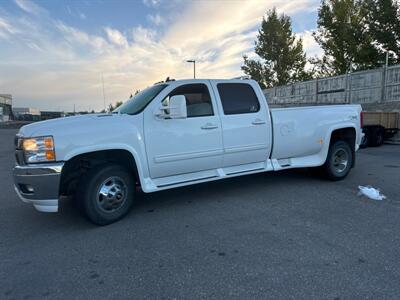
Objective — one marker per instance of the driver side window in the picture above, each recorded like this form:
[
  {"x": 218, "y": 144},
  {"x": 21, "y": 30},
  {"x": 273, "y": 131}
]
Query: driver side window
[{"x": 198, "y": 100}]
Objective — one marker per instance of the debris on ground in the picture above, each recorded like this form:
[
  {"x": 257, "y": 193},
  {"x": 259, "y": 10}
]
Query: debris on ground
[{"x": 370, "y": 192}]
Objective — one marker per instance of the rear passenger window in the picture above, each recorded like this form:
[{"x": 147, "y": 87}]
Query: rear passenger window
[{"x": 238, "y": 98}]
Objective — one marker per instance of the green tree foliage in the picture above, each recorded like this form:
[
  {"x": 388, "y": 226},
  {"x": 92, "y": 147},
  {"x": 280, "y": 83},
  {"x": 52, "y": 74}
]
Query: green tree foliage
[
  {"x": 383, "y": 20},
  {"x": 355, "y": 34},
  {"x": 281, "y": 58},
  {"x": 113, "y": 107}
]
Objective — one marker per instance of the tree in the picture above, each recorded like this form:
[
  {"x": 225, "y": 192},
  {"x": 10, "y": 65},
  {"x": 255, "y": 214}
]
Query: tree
[
  {"x": 355, "y": 34},
  {"x": 281, "y": 58},
  {"x": 383, "y": 20},
  {"x": 113, "y": 107}
]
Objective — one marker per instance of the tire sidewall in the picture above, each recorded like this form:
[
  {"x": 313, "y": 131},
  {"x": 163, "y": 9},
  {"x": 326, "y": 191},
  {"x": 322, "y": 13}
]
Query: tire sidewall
[
  {"x": 332, "y": 173},
  {"x": 90, "y": 189}
]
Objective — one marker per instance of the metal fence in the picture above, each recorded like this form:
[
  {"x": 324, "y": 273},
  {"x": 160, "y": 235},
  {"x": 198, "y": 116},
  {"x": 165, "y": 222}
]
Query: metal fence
[{"x": 368, "y": 88}]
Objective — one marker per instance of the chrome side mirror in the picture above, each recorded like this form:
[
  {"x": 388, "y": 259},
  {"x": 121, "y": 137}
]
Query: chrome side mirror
[{"x": 175, "y": 110}]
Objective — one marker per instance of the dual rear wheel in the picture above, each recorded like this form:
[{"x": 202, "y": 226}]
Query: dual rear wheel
[{"x": 339, "y": 160}]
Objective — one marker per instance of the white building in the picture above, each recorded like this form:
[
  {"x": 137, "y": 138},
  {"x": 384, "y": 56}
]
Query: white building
[
  {"x": 5, "y": 107},
  {"x": 18, "y": 111}
]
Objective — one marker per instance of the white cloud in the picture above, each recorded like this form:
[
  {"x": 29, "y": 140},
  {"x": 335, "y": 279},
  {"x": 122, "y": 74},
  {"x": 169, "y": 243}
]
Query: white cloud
[
  {"x": 151, "y": 2},
  {"x": 29, "y": 7},
  {"x": 75, "y": 13},
  {"x": 5, "y": 29},
  {"x": 155, "y": 19},
  {"x": 310, "y": 46},
  {"x": 116, "y": 37},
  {"x": 143, "y": 35},
  {"x": 52, "y": 63}
]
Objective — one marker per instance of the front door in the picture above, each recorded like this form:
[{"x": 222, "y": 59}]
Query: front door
[{"x": 183, "y": 146}]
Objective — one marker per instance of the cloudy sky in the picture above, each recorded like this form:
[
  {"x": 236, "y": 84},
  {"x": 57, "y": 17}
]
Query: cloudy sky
[{"x": 53, "y": 53}]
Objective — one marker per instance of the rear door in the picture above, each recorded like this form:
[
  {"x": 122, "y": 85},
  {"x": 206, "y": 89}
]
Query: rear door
[{"x": 246, "y": 126}]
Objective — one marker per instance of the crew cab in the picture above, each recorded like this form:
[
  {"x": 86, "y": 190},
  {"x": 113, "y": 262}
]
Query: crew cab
[{"x": 173, "y": 134}]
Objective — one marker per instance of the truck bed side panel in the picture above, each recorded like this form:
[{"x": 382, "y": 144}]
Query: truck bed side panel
[{"x": 305, "y": 131}]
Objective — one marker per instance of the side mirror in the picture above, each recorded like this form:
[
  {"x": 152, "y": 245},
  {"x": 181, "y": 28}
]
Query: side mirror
[{"x": 175, "y": 110}]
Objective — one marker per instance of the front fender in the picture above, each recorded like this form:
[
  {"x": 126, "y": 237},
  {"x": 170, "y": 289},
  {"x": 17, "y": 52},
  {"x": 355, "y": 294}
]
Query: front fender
[{"x": 142, "y": 170}]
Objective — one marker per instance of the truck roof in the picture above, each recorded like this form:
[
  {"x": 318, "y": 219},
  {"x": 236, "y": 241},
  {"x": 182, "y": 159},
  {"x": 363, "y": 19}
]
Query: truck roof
[{"x": 194, "y": 80}]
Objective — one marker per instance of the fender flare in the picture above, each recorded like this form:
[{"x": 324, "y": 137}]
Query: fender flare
[
  {"x": 94, "y": 148},
  {"x": 328, "y": 137}
]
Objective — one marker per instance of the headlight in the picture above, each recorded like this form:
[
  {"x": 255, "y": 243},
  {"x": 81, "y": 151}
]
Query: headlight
[{"x": 39, "y": 149}]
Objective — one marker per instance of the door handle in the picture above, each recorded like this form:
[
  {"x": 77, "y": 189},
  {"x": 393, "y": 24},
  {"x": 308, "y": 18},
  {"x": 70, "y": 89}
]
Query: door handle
[
  {"x": 258, "y": 122},
  {"x": 209, "y": 126}
]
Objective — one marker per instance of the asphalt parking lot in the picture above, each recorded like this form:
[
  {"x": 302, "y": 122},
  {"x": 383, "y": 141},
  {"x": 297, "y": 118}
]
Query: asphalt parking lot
[{"x": 274, "y": 235}]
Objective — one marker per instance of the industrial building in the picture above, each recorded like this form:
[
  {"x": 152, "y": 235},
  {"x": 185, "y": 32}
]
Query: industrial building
[
  {"x": 47, "y": 115},
  {"x": 376, "y": 89},
  {"x": 5, "y": 107},
  {"x": 26, "y": 113}
]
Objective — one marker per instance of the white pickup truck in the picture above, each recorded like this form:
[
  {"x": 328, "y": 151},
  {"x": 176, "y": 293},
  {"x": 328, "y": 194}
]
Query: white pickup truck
[{"x": 173, "y": 134}]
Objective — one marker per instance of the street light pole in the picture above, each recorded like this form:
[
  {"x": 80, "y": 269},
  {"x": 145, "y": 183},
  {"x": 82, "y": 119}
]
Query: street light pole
[{"x": 194, "y": 67}]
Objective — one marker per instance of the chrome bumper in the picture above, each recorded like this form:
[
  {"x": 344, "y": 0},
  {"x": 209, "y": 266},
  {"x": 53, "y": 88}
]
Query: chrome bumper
[{"x": 39, "y": 184}]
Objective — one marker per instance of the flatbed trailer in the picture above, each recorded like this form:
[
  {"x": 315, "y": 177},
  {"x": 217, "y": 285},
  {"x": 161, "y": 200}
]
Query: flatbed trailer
[{"x": 379, "y": 126}]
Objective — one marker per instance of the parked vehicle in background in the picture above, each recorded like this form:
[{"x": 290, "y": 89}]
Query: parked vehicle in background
[
  {"x": 379, "y": 126},
  {"x": 173, "y": 134}
]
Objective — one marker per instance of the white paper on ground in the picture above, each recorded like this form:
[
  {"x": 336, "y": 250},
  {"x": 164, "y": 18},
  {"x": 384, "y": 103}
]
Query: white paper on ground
[{"x": 370, "y": 192}]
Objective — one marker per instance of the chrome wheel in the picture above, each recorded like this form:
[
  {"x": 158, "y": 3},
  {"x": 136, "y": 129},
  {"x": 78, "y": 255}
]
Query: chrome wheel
[
  {"x": 112, "y": 194},
  {"x": 340, "y": 160}
]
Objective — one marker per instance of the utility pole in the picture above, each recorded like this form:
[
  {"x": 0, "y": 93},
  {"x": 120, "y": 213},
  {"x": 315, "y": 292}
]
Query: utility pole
[
  {"x": 387, "y": 59},
  {"x": 384, "y": 72},
  {"x": 194, "y": 67}
]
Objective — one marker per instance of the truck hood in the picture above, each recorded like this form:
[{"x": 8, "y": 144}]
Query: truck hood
[
  {"x": 88, "y": 133},
  {"x": 55, "y": 126}
]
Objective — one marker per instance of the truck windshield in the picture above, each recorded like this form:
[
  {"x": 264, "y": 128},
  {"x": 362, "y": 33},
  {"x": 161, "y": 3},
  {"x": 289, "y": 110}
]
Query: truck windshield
[{"x": 140, "y": 100}]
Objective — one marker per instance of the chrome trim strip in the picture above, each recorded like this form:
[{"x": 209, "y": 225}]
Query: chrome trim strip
[
  {"x": 38, "y": 169},
  {"x": 246, "y": 148},
  {"x": 187, "y": 155}
]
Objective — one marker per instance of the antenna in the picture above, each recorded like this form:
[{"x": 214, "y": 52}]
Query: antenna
[{"x": 104, "y": 96}]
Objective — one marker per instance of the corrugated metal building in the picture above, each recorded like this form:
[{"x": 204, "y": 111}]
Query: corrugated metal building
[{"x": 377, "y": 89}]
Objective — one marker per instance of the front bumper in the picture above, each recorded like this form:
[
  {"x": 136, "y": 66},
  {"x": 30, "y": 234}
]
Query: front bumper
[{"x": 39, "y": 184}]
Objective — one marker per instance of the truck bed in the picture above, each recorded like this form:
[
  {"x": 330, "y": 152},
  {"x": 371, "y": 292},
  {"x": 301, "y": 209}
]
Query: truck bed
[{"x": 300, "y": 133}]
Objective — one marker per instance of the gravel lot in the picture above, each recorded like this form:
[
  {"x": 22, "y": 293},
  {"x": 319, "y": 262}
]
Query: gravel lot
[{"x": 274, "y": 235}]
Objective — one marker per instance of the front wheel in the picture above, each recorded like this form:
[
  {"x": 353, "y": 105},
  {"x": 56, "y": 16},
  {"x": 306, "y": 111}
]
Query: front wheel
[
  {"x": 106, "y": 193},
  {"x": 339, "y": 161}
]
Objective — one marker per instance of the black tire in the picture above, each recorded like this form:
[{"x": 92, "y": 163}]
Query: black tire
[
  {"x": 339, "y": 161},
  {"x": 106, "y": 193},
  {"x": 377, "y": 136}
]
